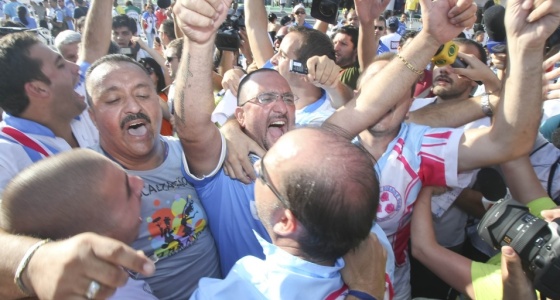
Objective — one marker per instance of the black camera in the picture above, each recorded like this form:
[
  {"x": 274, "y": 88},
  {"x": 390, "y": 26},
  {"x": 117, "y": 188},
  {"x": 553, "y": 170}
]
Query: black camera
[
  {"x": 227, "y": 37},
  {"x": 537, "y": 242},
  {"x": 325, "y": 10}
]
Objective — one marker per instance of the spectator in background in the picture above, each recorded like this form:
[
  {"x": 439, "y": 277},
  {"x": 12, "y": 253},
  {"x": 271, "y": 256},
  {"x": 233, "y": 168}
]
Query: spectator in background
[
  {"x": 149, "y": 21},
  {"x": 299, "y": 15},
  {"x": 156, "y": 74},
  {"x": 272, "y": 25},
  {"x": 67, "y": 13},
  {"x": 392, "y": 39},
  {"x": 124, "y": 28},
  {"x": 24, "y": 18},
  {"x": 167, "y": 32},
  {"x": 80, "y": 25},
  {"x": 161, "y": 15},
  {"x": 81, "y": 10},
  {"x": 286, "y": 21},
  {"x": 351, "y": 18},
  {"x": 10, "y": 9},
  {"x": 133, "y": 12},
  {"x": 40, "y": 12},
  {"x": 68, "y": 44}
]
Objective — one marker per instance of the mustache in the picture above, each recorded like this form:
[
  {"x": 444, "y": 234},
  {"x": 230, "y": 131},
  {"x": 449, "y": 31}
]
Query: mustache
[
  {"x": 132, "y": 117},
  {"x": 445, "y": 77}
]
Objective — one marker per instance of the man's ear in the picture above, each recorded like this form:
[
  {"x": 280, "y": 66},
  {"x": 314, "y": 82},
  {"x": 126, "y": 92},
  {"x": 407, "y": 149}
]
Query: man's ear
[
  {"x": 287, "y": 223},
  {"x": 37, "y": 89},
  {"x": 240, "y": 116}
]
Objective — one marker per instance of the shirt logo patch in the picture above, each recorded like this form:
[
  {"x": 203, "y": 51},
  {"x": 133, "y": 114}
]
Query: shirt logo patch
[{"x": 390, "y": 203}]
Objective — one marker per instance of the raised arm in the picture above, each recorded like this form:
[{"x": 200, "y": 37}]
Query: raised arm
[
  {"x": 256, "y": 25},
  {"x": 517, "y": 118},
  {"x": 97, "y": 32},
  {"x": 442, "y": 21},
  {"x": 194, "y": 100},
  {"x": 368, "y": 40},
  {"x": 446, "y": 114},
  {"x": 435, "y": 257}
]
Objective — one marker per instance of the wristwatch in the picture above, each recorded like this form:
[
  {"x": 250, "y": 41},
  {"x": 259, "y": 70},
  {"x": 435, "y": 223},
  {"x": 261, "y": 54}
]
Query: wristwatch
[{"x": 485, "y": 105}]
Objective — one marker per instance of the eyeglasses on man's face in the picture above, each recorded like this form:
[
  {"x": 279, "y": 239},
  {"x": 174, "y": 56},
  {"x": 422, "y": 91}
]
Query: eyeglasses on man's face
[
  {"x": 262, "y": 174},
  {"x": 300, "y": 12},
  {"x": 267, "y": 98}
]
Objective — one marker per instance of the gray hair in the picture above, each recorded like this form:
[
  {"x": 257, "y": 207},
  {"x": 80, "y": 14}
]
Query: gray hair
[{"x": 67, "y": 37}]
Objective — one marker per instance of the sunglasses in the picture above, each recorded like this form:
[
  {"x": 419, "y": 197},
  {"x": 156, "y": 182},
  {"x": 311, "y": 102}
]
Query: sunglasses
[
  {"x": 169, "y": 59},
  {"x": 378, "y": 28},
  {"x": 300, "y": 12},
  {"x": 279, "y": 38}
]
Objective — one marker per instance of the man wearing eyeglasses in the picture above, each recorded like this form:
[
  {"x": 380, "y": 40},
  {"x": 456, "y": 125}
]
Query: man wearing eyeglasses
[{"x": 265, "y": 112}]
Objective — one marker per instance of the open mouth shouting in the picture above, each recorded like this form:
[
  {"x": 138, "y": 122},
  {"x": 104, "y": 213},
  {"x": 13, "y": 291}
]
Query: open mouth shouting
[{"x": 135, "y": 124}]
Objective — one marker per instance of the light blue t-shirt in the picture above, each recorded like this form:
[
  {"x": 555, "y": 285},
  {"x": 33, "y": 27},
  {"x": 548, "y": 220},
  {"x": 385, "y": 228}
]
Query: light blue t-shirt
[
  {"x": 10, "y": 9},
  {"x": 232, "y": 216}
]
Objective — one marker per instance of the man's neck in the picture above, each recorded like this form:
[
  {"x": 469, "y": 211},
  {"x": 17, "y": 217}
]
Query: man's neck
[
  {"x": 147, "y": 162},
  {"x": 60, "y": 128},
  {"x": 376, "y": 144},
  {"x": 307, "y": 95}
]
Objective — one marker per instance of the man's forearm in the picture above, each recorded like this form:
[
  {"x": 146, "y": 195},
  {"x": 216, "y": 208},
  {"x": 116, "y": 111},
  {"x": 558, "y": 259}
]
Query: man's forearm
[{"x": 13, "y": 250}]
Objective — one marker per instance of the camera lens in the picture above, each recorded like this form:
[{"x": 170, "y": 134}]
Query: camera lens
[
  {"x": 510, "y": 223},
  {"x": 328, "y": 8}
]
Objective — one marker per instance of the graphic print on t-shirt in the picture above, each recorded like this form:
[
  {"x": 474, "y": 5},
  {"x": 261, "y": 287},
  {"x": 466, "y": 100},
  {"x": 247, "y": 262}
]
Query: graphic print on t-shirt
[{"x": 175, "y": 226}]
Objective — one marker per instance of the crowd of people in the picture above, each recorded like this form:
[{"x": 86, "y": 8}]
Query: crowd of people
[{"x": 204, "y": 151}]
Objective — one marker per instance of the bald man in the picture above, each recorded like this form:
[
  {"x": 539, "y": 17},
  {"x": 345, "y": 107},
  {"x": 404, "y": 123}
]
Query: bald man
[
  {"x": 305, "y": 201},
  {"x": 74, "y": 192}
]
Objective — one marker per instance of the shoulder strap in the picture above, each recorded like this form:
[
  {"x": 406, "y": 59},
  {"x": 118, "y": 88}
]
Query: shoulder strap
[{"x": 34, "y": 150}]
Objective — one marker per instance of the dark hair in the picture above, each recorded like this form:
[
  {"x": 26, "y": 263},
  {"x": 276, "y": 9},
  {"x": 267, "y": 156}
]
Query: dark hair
[
  {"x": 336, "y": 206},
  {"x": 178, "y": 45},
  {"x": 17, "y": 70},
  {"x": 110, "y": 59},
  {"x": 272, "y": 17},
  {"x": 124, "y": 21},
  {"x": 313, "y": 43},
  {"x": 81, "y": 23},
  {"x": 478, "y": 46},
  {"x": 409, "y": 34},
  {"x": 128, "y": 3},
  {"x": 22, "y": 15},
  {"x": 351, "y": 31},
  {"x": 169, "y": 28},
  {"x": 150, "y": 62},
  {"x": 246, "y": 79}
]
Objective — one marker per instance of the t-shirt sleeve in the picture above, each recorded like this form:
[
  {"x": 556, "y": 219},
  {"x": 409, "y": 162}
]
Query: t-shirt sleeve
[
  {"x": 439, "y": 152},
  {"x": 194, "y": 179}
]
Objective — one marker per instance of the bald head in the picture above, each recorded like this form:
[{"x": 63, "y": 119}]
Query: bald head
[
  {"x": 331, "y": 186},
  {"x": 57, "y": 197}
]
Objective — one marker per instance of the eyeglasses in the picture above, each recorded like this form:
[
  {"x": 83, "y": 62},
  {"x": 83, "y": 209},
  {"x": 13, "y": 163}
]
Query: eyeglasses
[
  {"x": 267, "y": 98},
  {"x": 378, "y": 28},
  {"x": 169, "y": 58},
  {"x": 262, "y": 174},
  {"x": 300, "y": 12}
]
